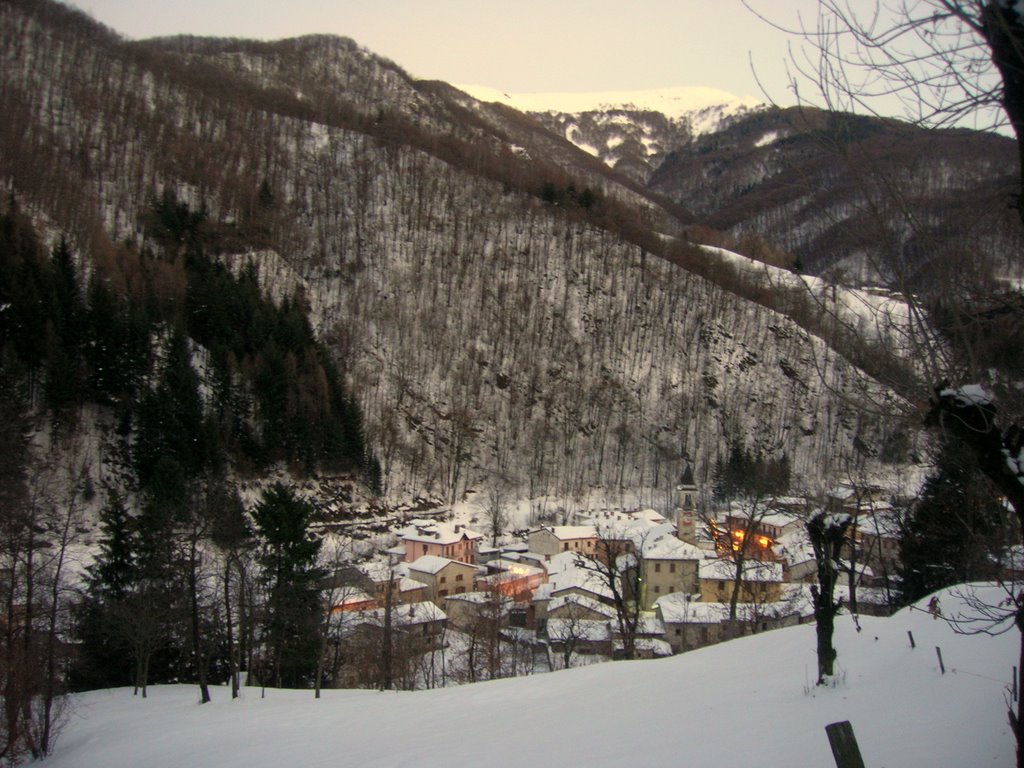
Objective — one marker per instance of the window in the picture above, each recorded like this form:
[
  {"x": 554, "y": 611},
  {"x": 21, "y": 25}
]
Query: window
[
  {"x": 657, "y": 567},
  {"x": 459, "y": 590},
  {"x": 444, "y": 579},
  {"x": 442, "y": 593},
  {"x": 671, "y": 567},
  {"x": 671, "y": 589},
  {"x": 565, "y": 547},
  {"x": 657, "y": 589},
  {"x": 458, "y": 577},
  {"x": 424, "y": 549}
]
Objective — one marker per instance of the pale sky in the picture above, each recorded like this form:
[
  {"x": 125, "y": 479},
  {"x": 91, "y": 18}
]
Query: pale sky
[{"x": 524, "y": 46}]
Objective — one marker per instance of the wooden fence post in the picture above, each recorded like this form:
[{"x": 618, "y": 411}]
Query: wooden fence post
[
  {"x": 911, "y": 636},
  {"x": 844, "y": 745}
]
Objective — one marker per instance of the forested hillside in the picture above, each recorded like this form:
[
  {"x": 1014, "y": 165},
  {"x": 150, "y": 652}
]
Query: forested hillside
[
  {"x": 853, "y": 197},
  {"x": 494, "y": 316}
]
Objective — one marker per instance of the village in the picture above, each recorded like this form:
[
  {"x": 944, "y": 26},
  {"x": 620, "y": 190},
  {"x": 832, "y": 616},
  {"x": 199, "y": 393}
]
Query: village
[{"x": 617, "y": 584}]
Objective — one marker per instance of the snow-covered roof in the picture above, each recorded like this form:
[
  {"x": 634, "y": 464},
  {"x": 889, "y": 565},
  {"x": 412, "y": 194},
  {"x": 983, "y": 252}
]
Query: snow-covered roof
[
  {"x": 432, "y": 532},
  {"x": 578, "y": 578},
  {"x": 561, "y": 562},
  {"x": 580, "y": 629},
  {"x": 483, "y": 598},
  {"x": 652, "y": 645},
  {"x": 401, "y": 615},
  {"x": 678, "y": 608},
  {"x": 582, "y": 601},
  {"x": 796, "y": 598},
  {"x": 610, "y": 518},
  {"x": 781, "y": 519},
  {"x": 380, "y": 571},
  {"x": 434, "y": 564},
  {"x": 668, "y": 547},
  {"x": 569, "y": 532},
  {"x": 410, "y": 585},
  {"x": 753, "y": 570}
]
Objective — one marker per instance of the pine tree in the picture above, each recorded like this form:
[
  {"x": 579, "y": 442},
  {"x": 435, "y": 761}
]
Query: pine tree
[
  {"x": 957, "y": 529},
  {"x": 288, "y": 559},
  {"x": 101, "y": 660}
]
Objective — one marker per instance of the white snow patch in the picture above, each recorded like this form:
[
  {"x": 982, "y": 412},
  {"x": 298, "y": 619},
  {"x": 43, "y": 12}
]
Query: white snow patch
[
  {"x": 649, "y": 713},
  {"x": 969, "y": 394}
]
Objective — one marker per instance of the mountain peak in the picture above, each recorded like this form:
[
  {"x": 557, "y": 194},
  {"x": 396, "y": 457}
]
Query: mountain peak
[{"x": 675, "y": 103}]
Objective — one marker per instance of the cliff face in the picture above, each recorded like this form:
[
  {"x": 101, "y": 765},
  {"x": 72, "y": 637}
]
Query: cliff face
[{"x": 490, "y": 332}]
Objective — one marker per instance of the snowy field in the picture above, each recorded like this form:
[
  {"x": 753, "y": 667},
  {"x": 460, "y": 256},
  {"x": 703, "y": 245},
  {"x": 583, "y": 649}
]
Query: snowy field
[{"x": 750, "y": 702}]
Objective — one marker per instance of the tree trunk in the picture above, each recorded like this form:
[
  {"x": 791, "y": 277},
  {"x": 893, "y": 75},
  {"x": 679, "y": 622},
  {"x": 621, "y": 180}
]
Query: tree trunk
[
  {"x": 1017, "y": 718},
  {"x": 826, "y": 536},
  {"x": 824, "y": 629},
  {"x": 229, "y": 629},
  {"x": 197, "y": 650}
]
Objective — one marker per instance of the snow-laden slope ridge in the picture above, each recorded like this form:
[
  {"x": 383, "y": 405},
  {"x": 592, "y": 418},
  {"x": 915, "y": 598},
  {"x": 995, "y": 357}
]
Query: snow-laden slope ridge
[
  {"x": 747, "y": 702},
  {"x": 676, "y": 103}
]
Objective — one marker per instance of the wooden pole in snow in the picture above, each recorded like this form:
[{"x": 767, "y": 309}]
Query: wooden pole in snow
[{"x": 844, "y": 745}]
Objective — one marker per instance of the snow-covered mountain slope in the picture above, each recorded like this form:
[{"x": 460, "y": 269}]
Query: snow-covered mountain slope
[
  {"x": 486, "y": 330},
  {"x": 746, "y": 702},
  {"x": 631, "y": 131}
]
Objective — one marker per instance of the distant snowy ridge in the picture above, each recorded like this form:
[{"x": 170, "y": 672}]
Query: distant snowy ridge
[
  {"x": 631, "y": 131},
  {"x": 675, "y": 103}
]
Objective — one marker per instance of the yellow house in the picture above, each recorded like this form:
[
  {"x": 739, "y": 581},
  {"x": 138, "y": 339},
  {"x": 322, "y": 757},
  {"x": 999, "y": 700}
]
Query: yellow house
[
  {"x": 552, "y": 540},
  {"x": 443, "y": 577},
  {"x": 669, "y": 566},
  {"x": 762, "y": 581}
]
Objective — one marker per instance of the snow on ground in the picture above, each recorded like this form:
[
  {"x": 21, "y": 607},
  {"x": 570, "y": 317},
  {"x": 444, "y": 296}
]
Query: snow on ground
[
  {"x": 675, "y": 103},
  {"x": 743, "y": 703},
  {"x": 873, "y": 313}
]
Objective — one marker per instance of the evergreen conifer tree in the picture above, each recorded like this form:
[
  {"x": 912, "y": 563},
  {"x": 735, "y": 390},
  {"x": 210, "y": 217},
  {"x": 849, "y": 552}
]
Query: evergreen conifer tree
[{"x": 288, "y": 560}]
